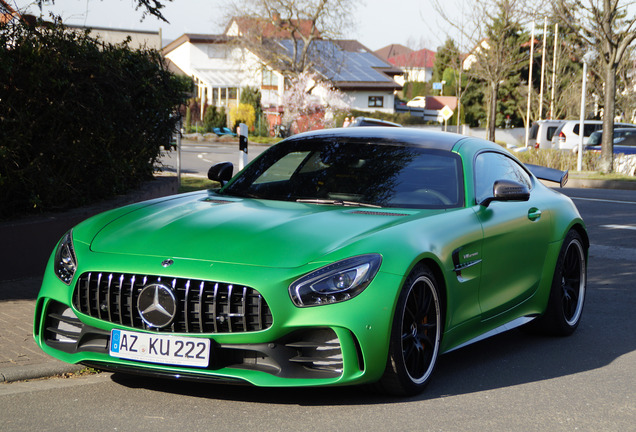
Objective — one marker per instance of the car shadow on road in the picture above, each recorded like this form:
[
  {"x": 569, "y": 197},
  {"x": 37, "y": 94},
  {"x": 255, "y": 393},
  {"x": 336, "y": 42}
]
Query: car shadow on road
[{"x": 507, "y": 360}]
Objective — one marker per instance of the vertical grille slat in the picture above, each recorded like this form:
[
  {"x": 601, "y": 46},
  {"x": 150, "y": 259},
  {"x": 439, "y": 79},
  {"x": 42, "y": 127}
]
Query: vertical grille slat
[
  {"x": 97, "y": 308},
  {"x": 201, "y": 287},
  {"x": 229, "y": 307},
  {"x": 120, "y": 303},
  {"x": 186, "y": 314},
  {"x": 214, "y": 303},
  {"x": 87, "y": 294},
  {"x": 259, "y": 309},
  {"x": 203, "y": 306},
  {"x": 108, "y": 301},
  {"x": 244, "y": 307},
  {"x": 130, "y": 301}
]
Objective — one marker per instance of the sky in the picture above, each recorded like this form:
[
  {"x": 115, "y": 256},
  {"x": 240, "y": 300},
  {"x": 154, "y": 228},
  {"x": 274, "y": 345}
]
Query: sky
[{"x": 413, "y": 23}]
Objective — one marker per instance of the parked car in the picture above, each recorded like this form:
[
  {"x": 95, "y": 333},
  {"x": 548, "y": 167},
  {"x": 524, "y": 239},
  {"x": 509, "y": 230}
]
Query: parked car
[
  {"x": 417, "y": 102},
  {"x": 624, "y": 141},
  {"x": 541, "y": 133},
  {"x": 337, "y": 257},
  {"x": 566, "y": 137},
  {"x": 368, "y": 121}
]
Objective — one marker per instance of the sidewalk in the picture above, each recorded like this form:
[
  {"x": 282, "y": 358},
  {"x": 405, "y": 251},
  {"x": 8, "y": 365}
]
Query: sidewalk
[
  {"x": 20, "y": 357},
  {"x": 31, "y": 241}
]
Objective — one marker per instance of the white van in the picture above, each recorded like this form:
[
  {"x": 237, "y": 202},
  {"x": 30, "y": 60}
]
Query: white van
[
  {"x": 566, "y": 137},
  {"x": 541, "y": 133}
]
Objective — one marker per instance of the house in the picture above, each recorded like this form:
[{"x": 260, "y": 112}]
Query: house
[
  {"x": 220, "y": 66},
  {"x": 276, "y": 28},
  {"x": 392, "y": 50},
  {"x": 415, "y": 65},
  {"x": 7, "y": 13},
  {"x": 138, "y": 38}
]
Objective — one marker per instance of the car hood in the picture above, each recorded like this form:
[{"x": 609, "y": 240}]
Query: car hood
[{"x": 241, "y": 231}]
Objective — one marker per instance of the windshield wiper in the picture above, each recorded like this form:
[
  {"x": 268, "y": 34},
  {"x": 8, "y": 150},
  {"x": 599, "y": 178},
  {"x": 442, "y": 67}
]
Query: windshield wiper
[{"x": 337, "y": 202}]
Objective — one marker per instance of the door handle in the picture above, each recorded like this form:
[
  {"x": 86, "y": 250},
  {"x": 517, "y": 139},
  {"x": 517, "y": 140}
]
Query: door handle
[{"x": 534, "y": 214}]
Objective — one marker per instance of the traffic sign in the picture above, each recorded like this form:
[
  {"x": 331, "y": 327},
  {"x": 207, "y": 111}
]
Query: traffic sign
[{"x": 446, "y": 112}]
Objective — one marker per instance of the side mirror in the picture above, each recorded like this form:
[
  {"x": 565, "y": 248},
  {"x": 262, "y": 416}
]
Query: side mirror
[
  {"x": 507, "y": 190},
  {"x": 221, "y": 172}
]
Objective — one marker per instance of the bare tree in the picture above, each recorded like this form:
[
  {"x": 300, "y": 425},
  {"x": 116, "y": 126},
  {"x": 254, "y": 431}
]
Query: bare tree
[
  {"x": 494, "y": 34},
  {"x": 608, "y": 29},
  {"x": 148, "y": 7},
  {"x": 286, "y": 33}
]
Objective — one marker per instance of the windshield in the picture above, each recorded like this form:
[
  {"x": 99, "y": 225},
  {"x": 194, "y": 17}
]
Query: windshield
[
  {"x": 349, "y": 173},
  {"x": 595, "y": 138}
]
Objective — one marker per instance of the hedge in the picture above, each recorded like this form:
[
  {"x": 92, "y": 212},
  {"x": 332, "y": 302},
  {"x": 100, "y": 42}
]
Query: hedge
[{"x": 80, "y": 120}]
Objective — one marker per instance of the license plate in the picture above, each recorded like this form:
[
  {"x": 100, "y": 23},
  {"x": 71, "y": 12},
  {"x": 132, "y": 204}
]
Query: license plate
[{"x": 164, "y": 349}]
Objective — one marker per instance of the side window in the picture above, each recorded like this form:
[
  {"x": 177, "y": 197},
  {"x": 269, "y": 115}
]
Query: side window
[
  {"x": 490, "y": 167},
  {"x": 283, "y": 169}
]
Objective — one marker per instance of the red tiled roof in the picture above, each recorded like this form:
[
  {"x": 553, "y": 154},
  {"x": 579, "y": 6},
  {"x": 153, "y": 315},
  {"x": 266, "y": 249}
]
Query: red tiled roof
[
  {"x": 7, "y": 13},
  {"x": 423, "y": 58},
  {"x": 277, "y": 28},
  {"x": 438, "y": 102},
  {"x": 392, "y": 50}
]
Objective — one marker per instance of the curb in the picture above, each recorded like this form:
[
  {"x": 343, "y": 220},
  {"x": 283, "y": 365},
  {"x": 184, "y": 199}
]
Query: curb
[
  {"x": 34, "y": 371},
  {"x": 583, "y": 183}
]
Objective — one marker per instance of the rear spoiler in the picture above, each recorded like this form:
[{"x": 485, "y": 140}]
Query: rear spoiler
[{"x": 549, "y": 174}]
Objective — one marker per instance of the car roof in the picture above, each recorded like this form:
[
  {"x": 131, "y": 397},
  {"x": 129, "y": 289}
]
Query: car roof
[
  {"x": 387, "y": 135},
  {"x": 369, "y": 121},
  {"x": 617, "y": 129},
  {"x": 549, "y": 121}
]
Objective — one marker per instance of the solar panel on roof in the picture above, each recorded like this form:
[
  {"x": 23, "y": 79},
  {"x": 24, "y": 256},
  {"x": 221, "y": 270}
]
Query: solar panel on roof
[{"x": 339, "y": 65}]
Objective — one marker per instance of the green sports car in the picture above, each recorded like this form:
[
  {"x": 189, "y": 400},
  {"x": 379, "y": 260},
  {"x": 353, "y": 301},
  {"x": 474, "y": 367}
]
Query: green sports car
[{"x": 342, "y": 256}]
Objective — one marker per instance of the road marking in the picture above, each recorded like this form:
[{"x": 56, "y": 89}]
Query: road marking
[
  {"x": 604, "y": 200},
  {"x": 201, "y": 156},
  {"x": 624, "y": 227}
]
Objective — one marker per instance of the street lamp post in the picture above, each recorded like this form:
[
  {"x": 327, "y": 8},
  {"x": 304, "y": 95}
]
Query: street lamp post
[{"x": 579, "y": 160}]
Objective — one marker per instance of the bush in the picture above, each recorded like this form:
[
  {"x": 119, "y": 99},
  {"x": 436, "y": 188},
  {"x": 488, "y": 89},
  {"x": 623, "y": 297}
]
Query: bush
[
  {"x": 563, "y": 160},
  {"x": 81, "y": 120},
  {"x": 244, "y": 113},
  {"x": 213, "y": 118}
]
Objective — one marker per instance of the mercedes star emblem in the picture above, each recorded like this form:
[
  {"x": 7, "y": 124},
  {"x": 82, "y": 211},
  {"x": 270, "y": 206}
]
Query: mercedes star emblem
[{"x": 157, "y": 305}]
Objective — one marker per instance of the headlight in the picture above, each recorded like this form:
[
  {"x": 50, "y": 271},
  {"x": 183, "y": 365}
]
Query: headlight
[
  {"x": 336, "y": 282},
  {"x": 65, "y": 261}
]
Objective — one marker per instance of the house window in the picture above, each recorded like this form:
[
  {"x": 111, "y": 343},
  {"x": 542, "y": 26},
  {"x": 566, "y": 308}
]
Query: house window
[
  {"x": 270, "y": 80},
  {"x": 376, "y": 101}
]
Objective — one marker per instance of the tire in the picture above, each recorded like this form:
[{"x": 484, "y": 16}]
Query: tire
[
  {"x": 416, "y": 334},
  {"x": 567, "y": 295}
]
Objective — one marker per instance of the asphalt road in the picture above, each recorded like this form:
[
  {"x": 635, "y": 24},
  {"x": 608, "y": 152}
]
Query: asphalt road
[
  {"x": 515, "y": 381},
  {"x": 198, "y": 157}
]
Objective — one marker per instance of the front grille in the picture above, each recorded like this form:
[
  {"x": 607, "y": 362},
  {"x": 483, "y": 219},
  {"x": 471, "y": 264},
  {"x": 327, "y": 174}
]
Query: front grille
[{"x": 202, "y": 306}]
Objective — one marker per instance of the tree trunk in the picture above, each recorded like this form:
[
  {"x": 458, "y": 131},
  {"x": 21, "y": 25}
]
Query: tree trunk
[
  {"x": 492, "y": 110},
  {"x": 609, "y": 109}
]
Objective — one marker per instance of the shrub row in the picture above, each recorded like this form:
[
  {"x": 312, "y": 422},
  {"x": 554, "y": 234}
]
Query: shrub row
[
  {"x": 563, "y": 160},
  {"x": 80, "y": 120}
]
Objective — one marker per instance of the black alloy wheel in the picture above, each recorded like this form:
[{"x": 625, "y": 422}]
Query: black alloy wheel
[
  {"x": 415, "y": 335},
  {"x": 573, "y": 281},
  {"x": 567, "y": 296}
]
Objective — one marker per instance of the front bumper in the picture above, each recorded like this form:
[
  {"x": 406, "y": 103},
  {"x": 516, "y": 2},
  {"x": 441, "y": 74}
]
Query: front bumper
[{"x": 342, "y": 343}]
